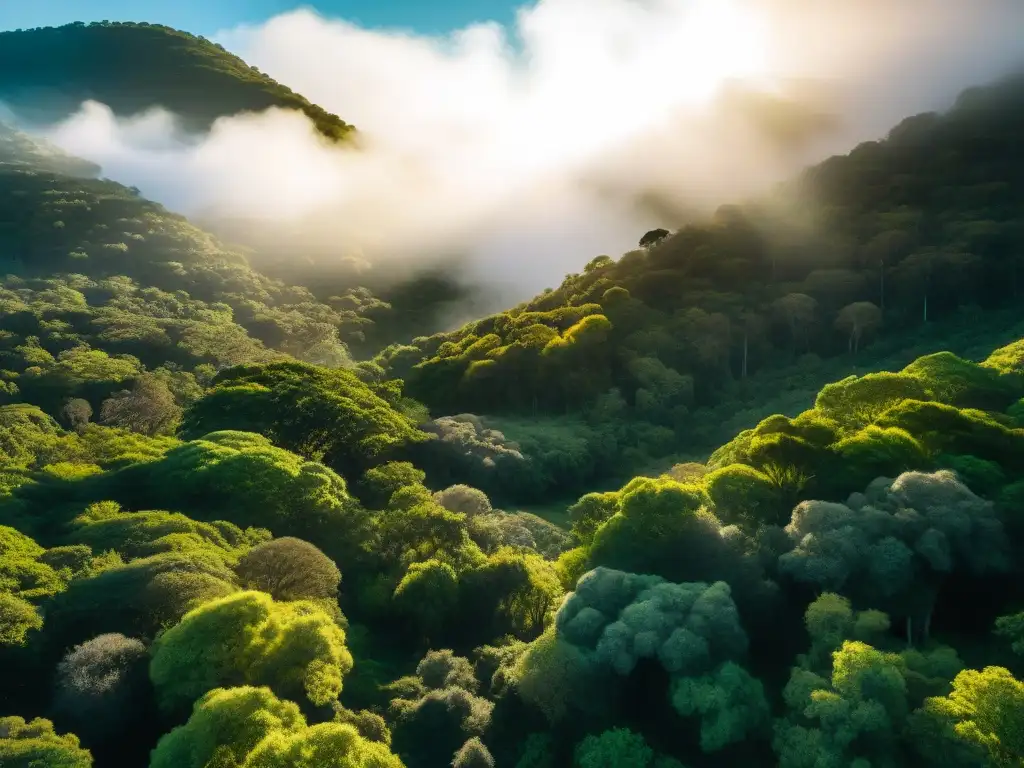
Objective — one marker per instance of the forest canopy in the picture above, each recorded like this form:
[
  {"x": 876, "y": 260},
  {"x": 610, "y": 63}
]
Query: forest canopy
[{"x": 773, "y": 476}]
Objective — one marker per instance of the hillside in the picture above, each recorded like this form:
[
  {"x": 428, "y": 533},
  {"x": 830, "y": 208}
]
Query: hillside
[
  {"x": 152, "y": 576},
  {"x": 101, "y": 285},
  {"x": 862, "y": 254},
  {"x": 785, "y": 446},
  {"x": 46, "y": 74}
]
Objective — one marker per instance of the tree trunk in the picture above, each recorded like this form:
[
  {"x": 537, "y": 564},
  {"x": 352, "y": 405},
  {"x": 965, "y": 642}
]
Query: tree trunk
[
  {"x": 743, "y": 374},
  {"x": 881, "y": 297},
  {"x": 928, "y": 623},
  {"x": 910, "y": 632},
  {"x": 927, "y": 290}
]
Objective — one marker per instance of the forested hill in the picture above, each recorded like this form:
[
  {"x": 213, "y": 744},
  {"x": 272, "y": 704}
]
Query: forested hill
[
  {"x": 861, "y": 253},
  {"x": 46, "y": 74},
  {"x": 268, "y": 587},
  {"x": 224, "y": 544},
  {"x": 101, "y": 286}
]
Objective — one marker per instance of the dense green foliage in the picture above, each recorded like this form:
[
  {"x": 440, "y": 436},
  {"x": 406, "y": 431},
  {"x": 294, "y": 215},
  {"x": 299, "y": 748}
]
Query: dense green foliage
[
  {"x": 48, "y": 72},
  {"x": 223, "y": 544},
  {"x": 852, "y": 260},
  {"x": 292, "y": 647},
  {"x": 35, "y": 744},
  {"x": 327, "y": 415},
  {"x": 251, "y": 727},
  {"x": 102, "y": 285}
]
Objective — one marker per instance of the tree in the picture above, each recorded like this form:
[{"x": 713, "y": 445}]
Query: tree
[
  {"x": 242, "y": 478},
  {"x": 76, "y": 558},
  {"x": 933, "y": 273},
  {"x": 877, "y": 452},
  {"x": 432, "y": 722},
  {"x": 797, "y": 311},
  {"x": 1007, "y": 359},
  {"x": 370, "y": 725},
  {"x": 666, "y": 528},
  {"x": 473, "y": 754},
  {"x": 653, "y": 237},
  {"x": 590, "y": 512},
  {"x": 443, "y": 669},
  {"x": 325, "y": 745},
  {"x": 744, "y": 496},
  {"x": 251, "y": 726},
  {"x": 17, "y": 618},
  {"x": 944, "y": 429},
  {"x": 148, "y": 408},
  {"x": 753, "y": 327},
  {"x": 708, "y": 334},
  {"x": 577, "y": 360},
  {"x": 318, "y": 344},
  {"x": 518, "y": 529},
  {"x": 23, "y": 578},
  {"x": 417, "y": 529},
  {"x": 295, "y": 648},
  {"x": 464, "y": 499},
  {"x": 614, "y": 620},
  {"x": 77, "y": 412},
  {"x": 954, "y": 381},
  {"x": 858, "y": 400},
  {"x": 849, "y": 701},
  {"x": 538, "y": 751},
  {"x": 984, "y": 709},
  {"x": 380, "y": 483},
  {"x": 661, "y": 387},
  {"x": 856, "y": 320},
  {"x": 102, "y": 686},
  {"x": 428, "y": 593},
  {"x": 559, "y": 679},
  {"x": 105, "y": 527},
  {"x": 34, "y": 744},
  {"x": 513, "y": 593},
  {"x": 226, "y": 724},
  {"x": 855, "y": 717},
  {"x": 136, "y": 598},
  {"x": 1011, "y": 627},
  {"x": 905, "y": 538},
  {"x": 730, "y": 701},
  {"x": 290, "y": 569},
  {"x": 830, "y": 621},
  {"x": 29, "y": 437},
  {"x": 883, "y": 249},
  {"x": 617, "y": 748},
  {"x": 323, "y": 414}
]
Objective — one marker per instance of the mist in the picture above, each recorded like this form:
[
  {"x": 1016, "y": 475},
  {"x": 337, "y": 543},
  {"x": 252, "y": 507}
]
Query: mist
[{"x": 516, "y": 155}]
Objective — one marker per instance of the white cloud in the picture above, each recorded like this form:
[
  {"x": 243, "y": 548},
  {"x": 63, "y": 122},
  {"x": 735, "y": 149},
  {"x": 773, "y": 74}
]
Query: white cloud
[{"x": 529, "y": 159}]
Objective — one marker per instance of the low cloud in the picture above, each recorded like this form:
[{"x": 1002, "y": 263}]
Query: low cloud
[{"x": 526, "y": 152}]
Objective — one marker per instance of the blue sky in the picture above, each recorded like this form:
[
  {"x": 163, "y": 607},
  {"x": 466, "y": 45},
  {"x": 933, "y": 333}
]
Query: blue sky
[{"x": 206, "y": 17}]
